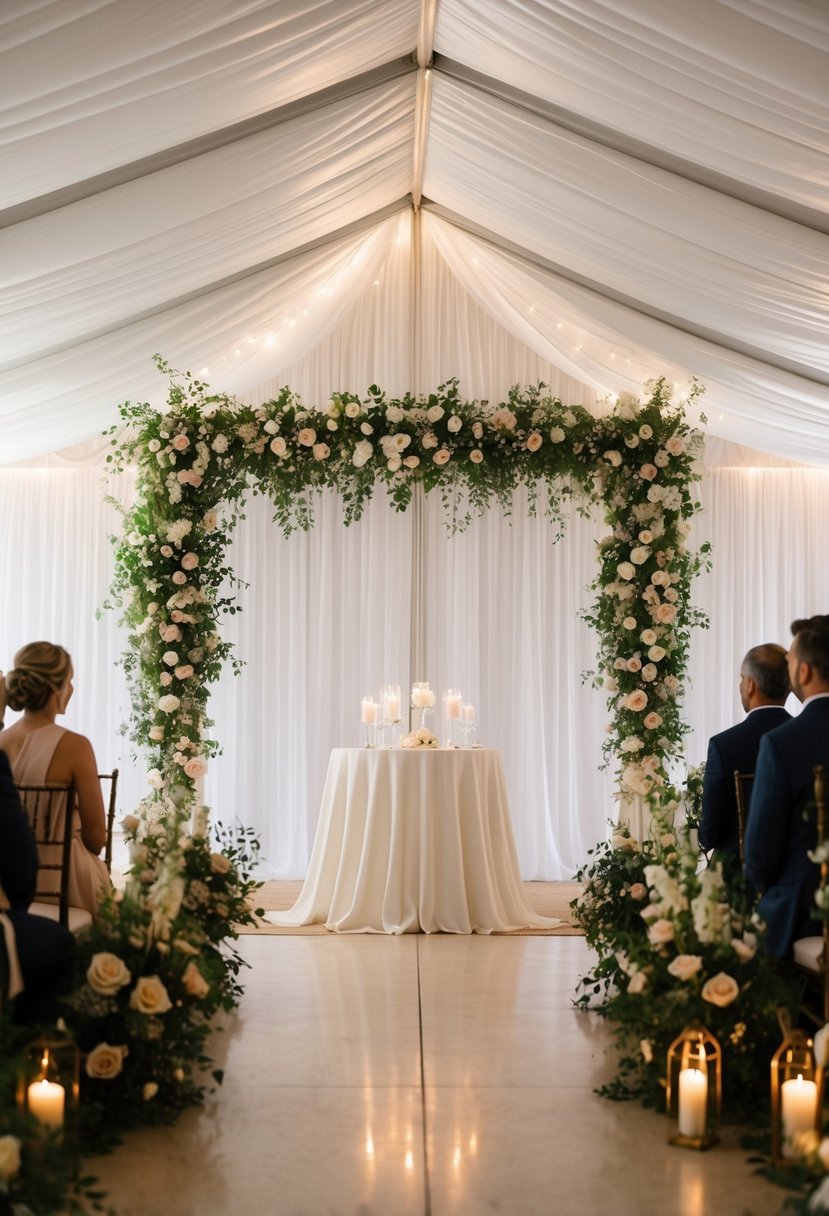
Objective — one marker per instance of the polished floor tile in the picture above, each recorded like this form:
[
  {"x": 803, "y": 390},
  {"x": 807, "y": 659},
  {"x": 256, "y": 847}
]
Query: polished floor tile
[{"x": 420, "y": 1076}]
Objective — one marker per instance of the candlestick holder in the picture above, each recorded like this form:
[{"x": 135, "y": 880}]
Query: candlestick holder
[
  {"x": 796, "y": 1093},
  {"x": 694, "y": 1088},
  {"x": 467, "y": 725},
  {"x": 48, "y": 1085}
]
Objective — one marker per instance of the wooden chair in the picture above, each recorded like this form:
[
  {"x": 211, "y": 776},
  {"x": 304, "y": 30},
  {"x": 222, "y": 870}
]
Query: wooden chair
[
  {"x": 49, "y": 811},
  {"x": 112, "y": 778},
  {"x": 812, "y": 953},
  {"x": 742, "y": 791}
]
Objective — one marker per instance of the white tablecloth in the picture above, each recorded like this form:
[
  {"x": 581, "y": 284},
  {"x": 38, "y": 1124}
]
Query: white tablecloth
[{"x": 412, "y": 841}]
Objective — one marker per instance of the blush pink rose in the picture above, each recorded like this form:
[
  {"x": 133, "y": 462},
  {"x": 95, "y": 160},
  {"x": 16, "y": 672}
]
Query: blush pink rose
[
  {"x": 534, "y": 441},
  {"x": 181, "y": 443},
  {"x": 307, "y": 437},
  {"x": 648, "y": 472},
  {"x": 189, "y": 561},
  {"x": 636, "y": 700}
]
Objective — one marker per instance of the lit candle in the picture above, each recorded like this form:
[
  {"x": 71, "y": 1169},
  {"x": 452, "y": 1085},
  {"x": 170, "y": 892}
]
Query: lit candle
[
  {"x": 393, "y": 706},
  {"x": 369, "y": 711},
  {"x": 469, "y": 713},
  {"x": 799, "y": 1103},
  {"x": 453, "y": 707},
  {"x": 693, "y": 1101},
  {"x": 46, "y": 1102}
]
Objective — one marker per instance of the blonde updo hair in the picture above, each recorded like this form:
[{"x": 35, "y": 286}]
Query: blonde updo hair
[{"x": 40, "y": 669}]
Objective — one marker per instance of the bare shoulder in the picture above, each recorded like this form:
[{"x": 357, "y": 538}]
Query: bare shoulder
[{"x": 76, "y": 748}]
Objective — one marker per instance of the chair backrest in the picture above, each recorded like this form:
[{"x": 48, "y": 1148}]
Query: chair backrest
[
  {"x": 742, "y": 792},
  {"x": 112, "y": 778},
  {"x": 50, "y": 811}
]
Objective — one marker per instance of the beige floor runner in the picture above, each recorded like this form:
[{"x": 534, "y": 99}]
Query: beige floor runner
[{"x": 545, "y": 898}]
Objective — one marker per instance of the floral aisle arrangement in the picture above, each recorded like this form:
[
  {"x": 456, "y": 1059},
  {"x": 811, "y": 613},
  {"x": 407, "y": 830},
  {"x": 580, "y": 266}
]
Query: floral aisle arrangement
[
  {"x": 197, "y": 461},
  {"x": 153, "y": 971},
  {"x": 677, "y": 947}
]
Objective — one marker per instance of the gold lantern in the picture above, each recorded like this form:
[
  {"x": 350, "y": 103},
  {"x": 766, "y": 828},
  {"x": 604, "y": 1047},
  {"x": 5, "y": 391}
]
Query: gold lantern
[
  {"x": 694, "y": 1088},
  {"x": 49, "y": 1082},
  {"x": 796, "y": 1094}
]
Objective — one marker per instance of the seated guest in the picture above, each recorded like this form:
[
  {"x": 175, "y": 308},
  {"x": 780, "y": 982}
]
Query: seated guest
[
  {"x": 42, "y": 948},
  {"x": 42, "y": 753},
  {"x": 764, "y": 686},
  {"x": 781, "y": 822}
]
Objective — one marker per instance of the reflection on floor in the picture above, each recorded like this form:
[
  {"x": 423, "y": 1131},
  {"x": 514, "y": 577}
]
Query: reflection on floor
[{"x": 420, "y": 1076}]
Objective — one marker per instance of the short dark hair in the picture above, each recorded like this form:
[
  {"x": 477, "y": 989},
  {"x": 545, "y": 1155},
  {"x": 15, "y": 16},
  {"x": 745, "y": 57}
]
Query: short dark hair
[
  {"x": 766, "y": 666},
  {"x": 811, "y": 635}
]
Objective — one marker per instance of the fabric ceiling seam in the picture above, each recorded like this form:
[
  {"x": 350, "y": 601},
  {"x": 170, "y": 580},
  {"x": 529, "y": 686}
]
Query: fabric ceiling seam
[
  {"x": 179, "y": 153},
  {"x": 628, "y": 145},
  {"x": 365, "y": 224},
  {"x": 680, "y": 324}
]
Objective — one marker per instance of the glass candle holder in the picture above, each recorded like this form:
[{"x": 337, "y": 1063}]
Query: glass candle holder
[
  {"x": 48, "y": 1085},
  {"x": 369, "y": 713},
  {"x": 452, "y": 703},
  {"x": 422, "y": 703},
  {"x": 796, "y": 1096}
]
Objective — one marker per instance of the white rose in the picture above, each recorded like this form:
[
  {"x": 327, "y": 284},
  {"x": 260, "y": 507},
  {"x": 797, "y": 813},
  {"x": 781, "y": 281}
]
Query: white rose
[
  {"x": 675, "y": 445},
  {"x": 352, "y": 410},
  {"x": 661, "y": 932},
  {"x": 220, "y": 444},
  {"x": 271, "y": 427},
  {"x": 155, "y": 778},
  {"x": 394, "y": 414},
  {"x": 435, "y": 413},
  {"x": 278, "y": 446},
  {"x": 362, "y": 453},
  {"x": 149, "y": 996},
  {"x": 625, "y": 570},
  {"x": 613, "y": 457},
  {"x": 684, "y": 966},
  {"x": 640, "y": 554},
  {"x": 645, "y": 432},
  {"x": 107, "y": 973},
  {"x": 366, "y": 428},
  {"x": 105, "y": 1062},
  {"x": 307, "y": 437},
  {"x": 9, "y": 1157},
  {"x": 168, "y": 704},
  {"x": 429, "y": 440},
  {"x": 557, "y": 435},
  {"x": 454, "y": 424},
  {"x": 720, "y": 990}
]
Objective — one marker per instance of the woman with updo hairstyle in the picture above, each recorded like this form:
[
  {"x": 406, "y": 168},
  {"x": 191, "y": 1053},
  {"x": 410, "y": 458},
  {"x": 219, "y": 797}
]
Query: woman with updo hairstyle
[{"x": 42, "y": 753}]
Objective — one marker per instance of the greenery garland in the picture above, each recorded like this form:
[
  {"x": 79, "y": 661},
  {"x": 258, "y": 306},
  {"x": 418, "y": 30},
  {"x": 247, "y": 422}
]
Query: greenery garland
[{"x": 198, "y": 459}]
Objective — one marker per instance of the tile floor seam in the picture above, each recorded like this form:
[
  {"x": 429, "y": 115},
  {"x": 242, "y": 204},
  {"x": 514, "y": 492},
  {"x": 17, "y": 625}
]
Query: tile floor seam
[{"x": 427, "y": 1194}]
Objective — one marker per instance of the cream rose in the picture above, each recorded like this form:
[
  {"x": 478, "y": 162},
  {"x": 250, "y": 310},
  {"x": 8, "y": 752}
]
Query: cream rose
[
  {"x": 455, "y": 423},
  {"x": 279, "y": 447},
  {"x": 321, "y": 451},
  {"x": 307, "y": 437},
  {"x": 656, "y": 654},
  {"x": 640, "y": 554},
  {"x": 645, "y": 432},
  {"x": 130, "y": 823},
  {"x": 366, "y": 428},
  {"x": 638, "y": 983},
  {"x": 557, "y": 435},
  {"x": 107, "y": 973},
  {"x": 219, "y": 864},
  {"x": 435, "y": 413},
  {"x": 613, "y": 457},
  {"x": 675, "y": 445},
  {"x": 661, "y": 932},
  {"x": 9, "y": 1157},
  {"x": 181, "y": 443},
  {"x": 179, "y": 578},
  {"x": 156, "y": 734},
  {"x": 648, "y": 637},
  {"x": 720, "y": 990},
  {"x": 685, "y": 966},
  {"x": 638, "y": 891},
  {"x": 149, "y": 1091},
  {"x": 648, "y": 472},
  {"x": 195, "y": 767},
  {"x": 352, "y": 410},
  {"x": 636, "y": 700},
  {"x": 441, "y": 456},
  {"x": 105, "y": 1062},
  {"x": 629, "y": 622},
  {"x": 476, "y": 455},
  {"x": 746, "y": 947},
  {"x": 411, "y": 462},
  {"x": 666, "y": 613},
  {"x": 626, "y": 570},
  {"x": 652, "y": 721},
  {"x": 184, "y": 671},
  {"x": 168, "y": 704},
  {"x": 649, "y": 672},
  {"x": 477, "y": 430},
  {"x": 150, "y": 996},
  {"x": 534, "y": 441},
  {"x": 189, "y": 561},
  {"x": 646, "y": 536},
  {"x": 194, "y": 982},
  {"x": 634, "y": 664}
]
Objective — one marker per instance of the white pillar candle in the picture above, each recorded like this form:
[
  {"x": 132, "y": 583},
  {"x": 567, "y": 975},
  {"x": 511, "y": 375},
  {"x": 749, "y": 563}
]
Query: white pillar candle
[
  {"x": 393, "y": 706},
  {"x": 369, "y": 711},
  {"x": 693, "y": 1101},
  {"x": 469, "y": 713},
  {"x": 798, "y": 1107},
  {"x": 453, "y": 707},
  {"x": 46, "y": 1102}
]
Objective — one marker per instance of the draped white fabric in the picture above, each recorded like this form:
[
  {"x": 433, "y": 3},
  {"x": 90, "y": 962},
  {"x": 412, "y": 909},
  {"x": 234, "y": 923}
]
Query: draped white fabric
[{"x": 186, "y": 179}]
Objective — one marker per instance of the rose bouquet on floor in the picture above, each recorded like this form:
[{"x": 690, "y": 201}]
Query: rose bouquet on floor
[{"x": 676, "y": 946}]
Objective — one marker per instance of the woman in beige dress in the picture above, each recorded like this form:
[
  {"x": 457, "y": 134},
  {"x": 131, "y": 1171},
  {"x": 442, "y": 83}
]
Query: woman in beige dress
[{"x": 42, "y": 753}]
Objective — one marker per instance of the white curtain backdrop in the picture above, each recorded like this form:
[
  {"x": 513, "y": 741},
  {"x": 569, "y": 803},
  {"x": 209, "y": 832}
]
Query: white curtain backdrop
[{"x": 327, "y": 616}]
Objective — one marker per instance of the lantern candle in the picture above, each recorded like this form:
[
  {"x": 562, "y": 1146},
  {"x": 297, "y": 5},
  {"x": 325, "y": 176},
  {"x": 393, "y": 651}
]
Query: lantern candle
[
  {"x": 46, "y": 1100},
  {"x": 799, "y": 1102},
  {"x": 693, "y": 1100}
]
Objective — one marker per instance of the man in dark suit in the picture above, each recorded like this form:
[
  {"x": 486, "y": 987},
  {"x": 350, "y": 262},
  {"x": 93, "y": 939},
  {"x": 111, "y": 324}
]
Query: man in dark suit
[
  {"x": 781, "y": 823},
  {"x": 764, "y": 686},
  {"x": 45, "y": 948}
]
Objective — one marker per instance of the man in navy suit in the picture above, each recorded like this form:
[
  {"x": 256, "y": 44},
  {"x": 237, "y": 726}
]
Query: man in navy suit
[
  {"x": 781, "y": 823},
  {"x": 764, "y": 686},
  {"x": 45, "y": 948}
]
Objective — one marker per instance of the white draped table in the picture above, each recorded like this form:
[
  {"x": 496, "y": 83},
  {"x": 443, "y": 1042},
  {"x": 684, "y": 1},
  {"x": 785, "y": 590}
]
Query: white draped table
[{"x": 414, "y": 841}]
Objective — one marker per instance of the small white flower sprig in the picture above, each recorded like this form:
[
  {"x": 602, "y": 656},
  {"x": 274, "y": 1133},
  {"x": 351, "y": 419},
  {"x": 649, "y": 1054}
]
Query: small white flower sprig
[
  {"x": 197, "y": 460},
  {"x": 642, "y": 612}
]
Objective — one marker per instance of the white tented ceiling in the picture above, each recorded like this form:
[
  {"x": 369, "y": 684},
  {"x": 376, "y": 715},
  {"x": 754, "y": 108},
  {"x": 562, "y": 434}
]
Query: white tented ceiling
[{"x": 625, "y": 186}]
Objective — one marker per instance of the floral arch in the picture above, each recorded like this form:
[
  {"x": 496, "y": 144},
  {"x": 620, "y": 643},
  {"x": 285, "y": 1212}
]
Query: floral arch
[{"x": 198, "y": 459}]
